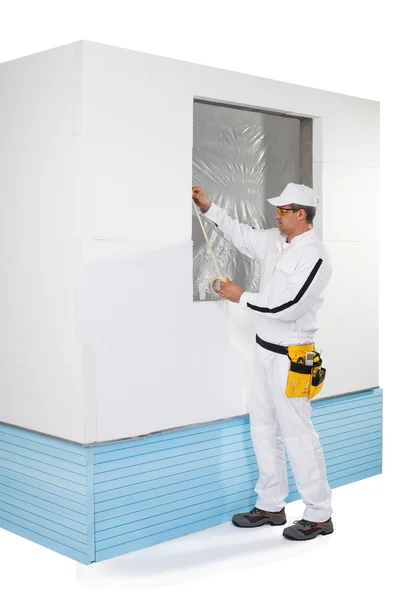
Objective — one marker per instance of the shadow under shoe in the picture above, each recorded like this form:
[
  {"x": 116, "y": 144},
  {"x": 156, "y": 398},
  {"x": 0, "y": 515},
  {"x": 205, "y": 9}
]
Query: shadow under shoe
[{"x": 257, "y": 517}]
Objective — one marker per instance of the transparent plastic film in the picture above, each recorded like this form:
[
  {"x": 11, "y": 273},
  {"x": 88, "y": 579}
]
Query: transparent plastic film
[{"x": 240, "y": 158}]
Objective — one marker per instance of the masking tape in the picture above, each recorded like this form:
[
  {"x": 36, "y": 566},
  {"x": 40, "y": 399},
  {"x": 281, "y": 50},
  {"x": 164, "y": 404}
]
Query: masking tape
[{"x": 219, "y": 277}]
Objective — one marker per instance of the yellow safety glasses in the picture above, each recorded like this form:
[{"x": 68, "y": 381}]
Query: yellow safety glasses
[{"x": 283, "y": 211}]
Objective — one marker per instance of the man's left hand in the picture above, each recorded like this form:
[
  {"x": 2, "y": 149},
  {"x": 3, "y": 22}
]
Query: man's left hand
[{"x": 230, "y": 291}]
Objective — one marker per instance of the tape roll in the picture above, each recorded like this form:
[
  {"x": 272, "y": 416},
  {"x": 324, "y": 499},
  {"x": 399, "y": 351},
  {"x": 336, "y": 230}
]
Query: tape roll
[{"x": 214, "y": 281}]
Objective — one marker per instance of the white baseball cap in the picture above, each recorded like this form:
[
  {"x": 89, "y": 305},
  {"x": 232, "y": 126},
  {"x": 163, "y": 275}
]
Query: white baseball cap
[{"x": 295, "y": 193}]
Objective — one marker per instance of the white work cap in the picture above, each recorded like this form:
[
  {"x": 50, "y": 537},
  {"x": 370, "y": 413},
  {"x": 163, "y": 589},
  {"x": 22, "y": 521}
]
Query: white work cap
[{"x": 295, "y": 193}]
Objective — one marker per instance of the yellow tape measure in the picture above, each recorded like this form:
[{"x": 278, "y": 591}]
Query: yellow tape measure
[{"x": 219, "y": 277}]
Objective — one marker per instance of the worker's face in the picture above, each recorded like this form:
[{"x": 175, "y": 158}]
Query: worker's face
[{"x": 287, "y": 219}]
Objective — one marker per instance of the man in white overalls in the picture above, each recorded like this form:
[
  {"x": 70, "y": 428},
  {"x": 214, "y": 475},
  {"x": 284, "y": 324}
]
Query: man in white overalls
[{"x": 295, "y": 269}]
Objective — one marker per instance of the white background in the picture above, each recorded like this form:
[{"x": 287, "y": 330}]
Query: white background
[{"x": 345, "y": 47}]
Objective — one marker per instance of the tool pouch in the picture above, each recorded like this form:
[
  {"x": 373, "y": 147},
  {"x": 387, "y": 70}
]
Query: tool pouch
[
  {"x": 317, "y": 376},
  {"x": 304, "y": 380}
]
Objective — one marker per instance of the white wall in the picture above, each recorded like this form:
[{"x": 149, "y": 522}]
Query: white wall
[
  {"x": 161, "y": 360},
  {"x": 113, "y": 315},
  {"x": 41, "y": 374}
]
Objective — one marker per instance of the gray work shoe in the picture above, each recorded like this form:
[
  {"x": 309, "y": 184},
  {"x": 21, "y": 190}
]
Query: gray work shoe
[
  {"x": 307, "y": 530},
  {"x": 257, "y": 517}
]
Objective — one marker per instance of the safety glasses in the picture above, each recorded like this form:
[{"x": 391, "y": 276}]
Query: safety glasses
[{"x": 283, "y": 211}]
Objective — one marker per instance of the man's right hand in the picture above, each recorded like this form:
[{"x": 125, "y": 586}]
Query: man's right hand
[{"x": 200, "y": 198}]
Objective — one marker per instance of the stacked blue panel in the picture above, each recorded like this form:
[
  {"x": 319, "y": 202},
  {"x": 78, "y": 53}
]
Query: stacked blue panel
[
  {"x": 93, "y": 503},
  {"x": 43, "y": 491}
]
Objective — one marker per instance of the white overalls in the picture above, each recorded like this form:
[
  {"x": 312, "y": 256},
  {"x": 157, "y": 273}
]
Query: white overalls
[{"x": 293, "y": 277}]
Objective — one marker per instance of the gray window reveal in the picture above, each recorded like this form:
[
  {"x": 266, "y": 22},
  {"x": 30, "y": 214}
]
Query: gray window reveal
[{"x": 241, "y": 157}]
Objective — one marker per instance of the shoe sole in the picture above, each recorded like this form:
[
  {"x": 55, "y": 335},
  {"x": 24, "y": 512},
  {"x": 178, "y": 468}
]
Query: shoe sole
[
  {"x": 259, "y": 524},
  {"x": 295, "y": 539}
]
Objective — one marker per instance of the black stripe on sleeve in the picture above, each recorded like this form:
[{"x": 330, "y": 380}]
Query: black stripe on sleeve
[{"x": 296, "y": 299}]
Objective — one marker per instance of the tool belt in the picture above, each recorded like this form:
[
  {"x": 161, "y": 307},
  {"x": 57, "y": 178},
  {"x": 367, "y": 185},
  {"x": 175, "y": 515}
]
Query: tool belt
[{"x": 303, "y": 380}]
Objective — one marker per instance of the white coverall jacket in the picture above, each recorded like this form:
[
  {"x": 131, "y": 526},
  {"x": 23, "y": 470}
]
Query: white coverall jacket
[{"x": 293, "y": 278}]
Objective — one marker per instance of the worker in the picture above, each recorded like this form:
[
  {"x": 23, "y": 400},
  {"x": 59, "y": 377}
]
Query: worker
[{"x": 295, "y": 270}]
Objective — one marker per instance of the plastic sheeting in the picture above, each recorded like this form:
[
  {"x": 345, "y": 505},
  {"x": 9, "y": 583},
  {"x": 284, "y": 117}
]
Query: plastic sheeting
[{"x": 240, "y": 158}]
